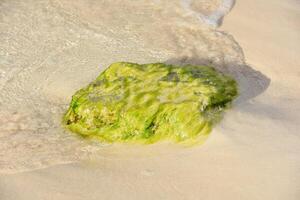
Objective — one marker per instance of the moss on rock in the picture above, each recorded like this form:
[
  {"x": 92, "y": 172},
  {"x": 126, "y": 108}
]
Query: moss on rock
[{"x": 129, "y": 102}]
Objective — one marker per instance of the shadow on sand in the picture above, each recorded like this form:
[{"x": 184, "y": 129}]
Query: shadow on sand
[{"x": 251, "y": 83}]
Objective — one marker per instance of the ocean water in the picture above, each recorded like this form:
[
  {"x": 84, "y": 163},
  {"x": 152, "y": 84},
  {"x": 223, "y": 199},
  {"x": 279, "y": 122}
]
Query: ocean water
[{"x": 51, "y": 48}]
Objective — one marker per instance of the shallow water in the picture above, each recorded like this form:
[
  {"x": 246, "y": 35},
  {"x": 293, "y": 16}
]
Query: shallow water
[{"x": 49, "y": 49}]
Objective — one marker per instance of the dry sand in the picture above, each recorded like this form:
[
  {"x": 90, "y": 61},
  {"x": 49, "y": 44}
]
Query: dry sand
[{"x": 252, "y": 154}]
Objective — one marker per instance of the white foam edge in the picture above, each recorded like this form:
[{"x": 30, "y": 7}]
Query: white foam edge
[{"x": 216, "y": 17}]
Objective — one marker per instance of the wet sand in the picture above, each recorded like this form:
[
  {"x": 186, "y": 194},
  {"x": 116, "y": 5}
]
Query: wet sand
[{"x": 252, "y": 154}]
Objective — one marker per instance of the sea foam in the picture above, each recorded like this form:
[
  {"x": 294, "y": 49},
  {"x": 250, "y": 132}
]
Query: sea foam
[{"x": 216, "y": 17}]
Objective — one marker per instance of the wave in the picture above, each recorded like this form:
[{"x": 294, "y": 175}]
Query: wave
[{"x": 45, "y": 64}]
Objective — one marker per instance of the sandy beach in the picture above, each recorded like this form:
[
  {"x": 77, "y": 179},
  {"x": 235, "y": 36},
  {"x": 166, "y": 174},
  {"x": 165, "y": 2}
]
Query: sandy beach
[{"x": 252, "y": 154}]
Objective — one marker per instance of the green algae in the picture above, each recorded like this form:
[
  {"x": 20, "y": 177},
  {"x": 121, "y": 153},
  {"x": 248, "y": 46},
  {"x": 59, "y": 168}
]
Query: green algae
[{"x": 146, "y": 103}]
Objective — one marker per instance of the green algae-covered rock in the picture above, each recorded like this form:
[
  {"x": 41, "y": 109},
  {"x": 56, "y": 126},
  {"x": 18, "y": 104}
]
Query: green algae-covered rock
[{"x": 129, "y": 102}]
